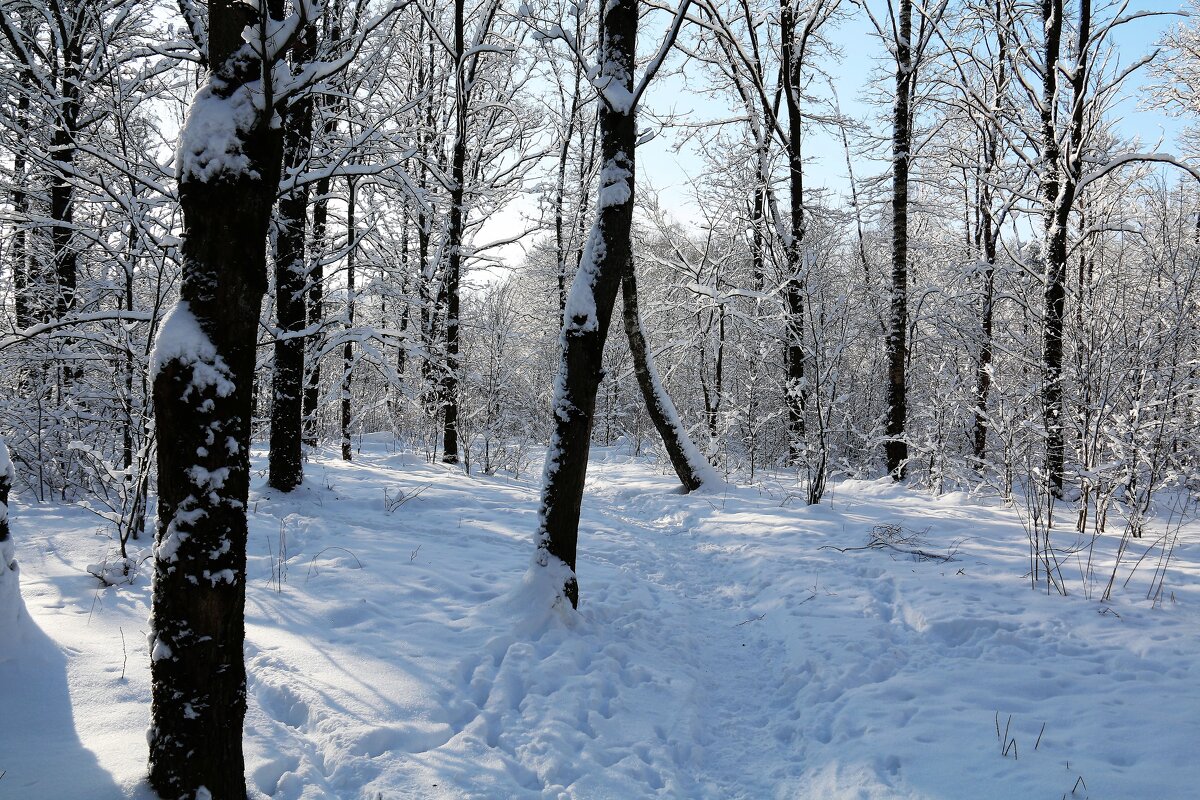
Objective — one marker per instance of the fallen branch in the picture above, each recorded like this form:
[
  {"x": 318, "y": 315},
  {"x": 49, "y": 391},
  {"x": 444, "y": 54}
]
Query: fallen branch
[{"x": 880, "y": 545}]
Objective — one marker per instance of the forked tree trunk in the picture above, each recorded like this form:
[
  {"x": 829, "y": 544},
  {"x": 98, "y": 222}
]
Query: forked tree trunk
[
  {"x": 203, "y": 368},
  {"x": 1059, "y": 185},
  {"x": 590, "y": 302}
]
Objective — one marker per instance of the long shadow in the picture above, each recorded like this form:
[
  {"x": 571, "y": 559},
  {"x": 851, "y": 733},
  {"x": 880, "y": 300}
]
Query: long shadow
[{"x": 40, "y": 752}]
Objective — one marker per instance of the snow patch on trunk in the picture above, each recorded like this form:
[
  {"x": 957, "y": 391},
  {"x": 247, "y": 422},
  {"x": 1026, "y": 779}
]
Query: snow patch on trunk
[
  {"x": 210, "y": 144},
  {"x": 182, "y": 339}
]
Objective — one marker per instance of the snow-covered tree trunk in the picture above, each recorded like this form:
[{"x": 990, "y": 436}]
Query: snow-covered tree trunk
[
  {"x": 590, "y": 302},
  {"x": 896, "y": 447},
  {"x": 314, "y": 300},
  {"x": 228, "y": 165},
  {"x": 691, "y": 467},
  {"x": 1059, "y": 182}
]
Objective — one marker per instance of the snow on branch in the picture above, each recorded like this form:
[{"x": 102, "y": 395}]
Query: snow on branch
[{"x": 1135, "y": 158}]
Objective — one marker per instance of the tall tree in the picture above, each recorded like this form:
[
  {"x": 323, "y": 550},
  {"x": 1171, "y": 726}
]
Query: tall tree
[
  {"x": 285, "y": 468},
  {"x": 607, "y": 259},
  {"x": 228, "y": 168},
  {"x": 908, "y": 55}
]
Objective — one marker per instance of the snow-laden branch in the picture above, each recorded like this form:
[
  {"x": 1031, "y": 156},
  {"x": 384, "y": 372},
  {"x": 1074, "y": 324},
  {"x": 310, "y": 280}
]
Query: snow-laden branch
[
  {"x": 97, "y": 316},
  {"x": 1134, "y": 158}
]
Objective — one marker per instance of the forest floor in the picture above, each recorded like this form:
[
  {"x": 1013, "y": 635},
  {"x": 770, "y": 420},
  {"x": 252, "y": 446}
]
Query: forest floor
[{"x": 723, "y": 649}]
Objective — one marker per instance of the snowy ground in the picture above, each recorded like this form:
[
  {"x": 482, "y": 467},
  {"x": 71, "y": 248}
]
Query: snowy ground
[{"x": 719, "y": 652}]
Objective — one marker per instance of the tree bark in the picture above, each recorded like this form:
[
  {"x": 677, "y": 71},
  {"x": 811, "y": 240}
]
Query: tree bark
[
  {"x": 458, "y": 160},
  {"x": 590, "y": 303},
  {"x": 896, "y": 447},
  {"x": 351, "y": 299},
  {"x": 689, "y": 465},
  {"x": 795, "y": 390},
  {"x": 203, "y": 370},
  {"x": 285, "y": 463}
]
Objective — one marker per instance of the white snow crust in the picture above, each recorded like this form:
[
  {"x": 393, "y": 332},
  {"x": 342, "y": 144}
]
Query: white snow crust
[{"x": 719, "y": 651}]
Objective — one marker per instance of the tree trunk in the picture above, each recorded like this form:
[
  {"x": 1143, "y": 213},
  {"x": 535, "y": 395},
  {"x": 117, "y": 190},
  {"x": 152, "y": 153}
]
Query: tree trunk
[
  {"x": 590, "y": 302},
  {"x": 315, "y": 282},
  {"x": 348, "y": 347},
  {"x": 988, "y": 235},
  {"x": 449, "y": 381},
  {"x": 19, "y": 253},
  {"x": 689, "y": 465},
  {"x": 285, "y": 467},
  {"x": 1058, "y": 196},
  {"x": 203, "y": 368},
  {"x": 62, "y": 190},
  {"x": 896, "y": 448},
  {"x": 795, "y": 390},
  {"x": 6, "y": 481},
  {"x": 315, "y": 309}
]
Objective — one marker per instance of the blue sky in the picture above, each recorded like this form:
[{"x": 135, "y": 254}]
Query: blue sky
[{"x": 669, "y": 169}]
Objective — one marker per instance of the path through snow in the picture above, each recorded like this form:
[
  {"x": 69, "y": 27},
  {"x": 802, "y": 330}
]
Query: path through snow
[{"x": 719, "y": 652}]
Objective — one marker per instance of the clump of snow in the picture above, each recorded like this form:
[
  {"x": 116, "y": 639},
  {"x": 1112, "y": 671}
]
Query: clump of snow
[
  {"x": 210, "y": 143},
  {"x": 180, "y": 338},
  {"x": 115, "y": 571},
  {"x": 615, "y": 182},
  {"x": 580, "y": 312}
]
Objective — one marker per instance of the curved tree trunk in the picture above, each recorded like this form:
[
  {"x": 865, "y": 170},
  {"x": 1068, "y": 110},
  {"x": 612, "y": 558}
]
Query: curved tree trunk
[{"x": 691, "y": 467}]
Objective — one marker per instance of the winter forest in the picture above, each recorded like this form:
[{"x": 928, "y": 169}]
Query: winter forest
[{"x": 610, "y": 399}]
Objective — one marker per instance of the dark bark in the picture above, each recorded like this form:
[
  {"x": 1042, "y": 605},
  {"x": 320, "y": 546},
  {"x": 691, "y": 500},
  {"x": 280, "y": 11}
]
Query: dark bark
[
  {"x": 987, "y": 235},
  {"x": 5, "y": 488},
  {"x": 202, "y": 399},
  {"x": 19, "y": 253},
  {"x": 315, "y": 283},
  {"x": 285, "y": 457},
  {"x": 1060, "y": 176},
  {"x": 351, "y": 298},
  {"x": 658, "y": 403},
  {"x": 585, "y": 326},
  {"x": 896, "y": 447},
  {"x": 458, "y": 160},
  {"x": 315, "y": 307},
  {"x": 794, "y": 387},
  {"x": 983, "y": 367}
]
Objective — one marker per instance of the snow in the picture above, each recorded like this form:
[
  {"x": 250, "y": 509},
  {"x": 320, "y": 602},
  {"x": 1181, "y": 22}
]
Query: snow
[
  {"x": 722, "y": 649},
  {"x": 210, "y": 143},
  {"x": 615, "y": 182},
  {"x": 180, "y": 338}
]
